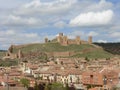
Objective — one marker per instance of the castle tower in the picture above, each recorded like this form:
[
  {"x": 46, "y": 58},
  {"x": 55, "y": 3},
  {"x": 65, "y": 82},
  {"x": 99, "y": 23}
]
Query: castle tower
[
  {"x": 90, "y": 39},
  {"x": 65, "y": 41},
  {"x": 60, "y": 38},
  {"x": 78, "y": 41},
  {"x": 46, "y": 40},
  {"x": 60, "y": 34},
  {"x": 65, "y": 38},
  {"x": 19, "y": 54}
]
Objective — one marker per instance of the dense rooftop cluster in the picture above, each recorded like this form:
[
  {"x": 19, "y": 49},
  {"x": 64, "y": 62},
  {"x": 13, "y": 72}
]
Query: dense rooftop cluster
[{"x": 79, "y": 73}]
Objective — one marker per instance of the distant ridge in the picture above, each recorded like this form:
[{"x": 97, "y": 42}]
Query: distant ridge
[
  {"x": 113, "y": 48},
  {"x": 2, "y": 53},
  {"x": 3, "y": 50}
]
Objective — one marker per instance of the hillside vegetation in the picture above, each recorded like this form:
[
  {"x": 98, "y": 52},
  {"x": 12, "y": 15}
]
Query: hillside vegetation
[
  {"x": 53, "y": 47},
  {"x": 113, "y": 48},
  {"x": 84, "y": 50}
]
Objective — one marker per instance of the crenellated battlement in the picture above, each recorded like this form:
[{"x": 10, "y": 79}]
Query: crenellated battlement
[{"x": 64, "y": 40}]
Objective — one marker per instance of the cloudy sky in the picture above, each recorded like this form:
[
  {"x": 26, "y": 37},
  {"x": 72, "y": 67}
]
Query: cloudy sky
[{"x": 30, "y": 21}]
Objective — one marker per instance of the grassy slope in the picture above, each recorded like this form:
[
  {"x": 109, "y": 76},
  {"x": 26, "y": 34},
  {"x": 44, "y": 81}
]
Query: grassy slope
[
  {"x": 95, "y": 54},
  {"x": 56, "y": 47}
]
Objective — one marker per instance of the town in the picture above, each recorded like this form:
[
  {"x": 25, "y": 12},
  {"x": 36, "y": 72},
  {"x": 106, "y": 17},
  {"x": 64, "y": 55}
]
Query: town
[{"x": 60, "y": 69}]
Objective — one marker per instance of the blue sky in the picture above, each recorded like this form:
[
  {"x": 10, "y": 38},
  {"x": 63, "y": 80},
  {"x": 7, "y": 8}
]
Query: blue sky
[{"x": 30, "y": 21}]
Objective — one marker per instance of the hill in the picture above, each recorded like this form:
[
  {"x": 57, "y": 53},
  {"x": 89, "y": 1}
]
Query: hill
[
  {"x": 83, "y": 50},
  {"x": 113, "y": 48}
]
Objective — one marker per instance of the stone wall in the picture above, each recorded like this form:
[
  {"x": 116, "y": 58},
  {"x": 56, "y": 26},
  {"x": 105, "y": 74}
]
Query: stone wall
[
  {"x": 63, "y": 40},
  {"x": 46, "y": 40},
  {"x": 90, "y": 39},
  {"x": 24, "y": 45},
  {"x": 11, "y": 55},
  {"x": 60, "y": 54},
  {"x": 72, "y": 42}
]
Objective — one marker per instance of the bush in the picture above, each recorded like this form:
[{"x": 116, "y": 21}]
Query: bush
[{"x": 25, "y": 82}]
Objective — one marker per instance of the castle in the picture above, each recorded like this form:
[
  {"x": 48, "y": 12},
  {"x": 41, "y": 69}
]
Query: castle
[
  {"x": 64, "y": 40},
  {"x": 61, "y": 38}
]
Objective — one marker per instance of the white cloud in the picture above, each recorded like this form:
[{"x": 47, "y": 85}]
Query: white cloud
[
  {"x": 34, "y": 3},
  {"x": 115, "y": 34},
  {"x": 10, "y": 32},
  {"x": 60, "y": 24},
  {"x": 101, "y": 5},
  {"x": 104, "y": 3},
  {"x": 92, "y": 33},
  {"x": 77, "y": 33},
  {"x": 32, "y": 21},
  {"x": 2, "y": 39},
  {"x": 5, "y": 46},
  {"x": 38, "y": 13},
  {"x": 42, "y": 8},
  {"x": 12, "y": 17},
  {"x": 93, "y": 18},
  {"x": 102, "y": 41},
  {"x": 7, "y": 33},
  {"x": 16, "y": 20},
  {"x": 31, "y": 35},
  {"x": 9, "y": 37},
  {"x": 118, "y": 40},
  {"x": 21, "y": 37}
]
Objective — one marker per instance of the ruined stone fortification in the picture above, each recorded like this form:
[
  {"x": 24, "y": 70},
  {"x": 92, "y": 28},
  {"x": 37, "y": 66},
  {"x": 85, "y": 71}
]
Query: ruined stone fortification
[
  {"x": 64, "y": 40},
  {"x": 11, "y": 55},
  {"x": 60, "y": 54},
  {"x": 22, "y": 46}
]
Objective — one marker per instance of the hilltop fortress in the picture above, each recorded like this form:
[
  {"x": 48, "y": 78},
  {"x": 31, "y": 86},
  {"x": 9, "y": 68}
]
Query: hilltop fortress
[
  {"x": 64, "y": 40},
  {"x": 61, "y": 38}
]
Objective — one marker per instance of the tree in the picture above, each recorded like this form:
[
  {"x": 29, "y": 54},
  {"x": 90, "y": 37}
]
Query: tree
[
  {"x": 36, "y": 86},
  {"x": 66, "y": 87},
  {"x": 57, "y": 86},
  {"x": 86, "y": 58},
  {"x": 25, "y": 82},
  {"x": 89, "y": 86},
  {"x": 48, "y": 87}
]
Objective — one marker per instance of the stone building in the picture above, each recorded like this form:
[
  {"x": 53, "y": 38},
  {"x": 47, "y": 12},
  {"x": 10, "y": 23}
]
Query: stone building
[
  {"x": 92, "y": 78},
  {"x": 64, "y": 40},
  {"x": 90, "y": 39},
  {"x": 46, "y": 40}
]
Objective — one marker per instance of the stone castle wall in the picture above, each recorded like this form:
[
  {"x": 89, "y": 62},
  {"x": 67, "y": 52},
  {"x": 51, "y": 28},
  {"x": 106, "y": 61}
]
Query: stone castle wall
[
  {"x": 11, "y": 55},
  {"x": 63, "y": 40},
  {"x": 60, "y": 54},
  {"x": 72, "y": 42},
  {"x": 24, "y": 45}
]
